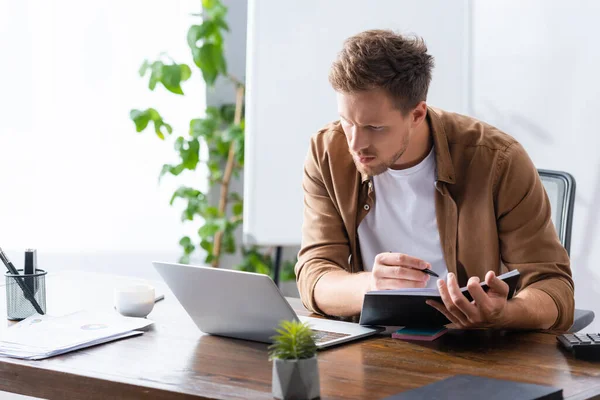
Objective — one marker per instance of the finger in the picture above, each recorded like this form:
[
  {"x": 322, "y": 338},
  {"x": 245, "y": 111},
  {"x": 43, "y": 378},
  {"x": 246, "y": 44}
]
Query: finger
[
  {"x": 497, "y": 285},
  {"x": 440, "y": 307},
  {"x": 404, "y": 273},
  {"x": 481, "y": 298},
  {"x": 448, "y": 303},
  {"x": 400, "y": 259},
  {"x": 391, "y": 284},
  {"x": 459, "y": 299}
]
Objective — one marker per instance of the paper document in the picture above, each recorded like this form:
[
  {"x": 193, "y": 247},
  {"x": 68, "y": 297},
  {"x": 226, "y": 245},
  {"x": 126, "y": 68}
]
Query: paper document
[{"x": 43, "y": 336}]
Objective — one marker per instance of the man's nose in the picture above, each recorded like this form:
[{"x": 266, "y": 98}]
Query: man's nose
[{"x": 358, "y": 141}]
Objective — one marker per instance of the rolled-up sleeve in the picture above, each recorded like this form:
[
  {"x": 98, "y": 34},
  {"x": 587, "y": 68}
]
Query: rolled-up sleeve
[{"x": 528, "y": 239}]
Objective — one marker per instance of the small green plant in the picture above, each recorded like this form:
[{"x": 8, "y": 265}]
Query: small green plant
[{"x": 295, "y": 341}]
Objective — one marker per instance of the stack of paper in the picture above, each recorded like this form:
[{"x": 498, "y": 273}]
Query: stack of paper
[{"x": 43, "y": 336}]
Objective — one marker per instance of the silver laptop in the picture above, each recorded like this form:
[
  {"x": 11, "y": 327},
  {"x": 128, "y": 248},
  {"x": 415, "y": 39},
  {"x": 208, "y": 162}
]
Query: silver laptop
[{"x": 244, "y": 305}]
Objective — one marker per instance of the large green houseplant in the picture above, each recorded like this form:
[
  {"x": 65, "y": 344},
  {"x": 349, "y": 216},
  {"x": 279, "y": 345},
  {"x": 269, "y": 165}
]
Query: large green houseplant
[{"x": 221, "y": 130}]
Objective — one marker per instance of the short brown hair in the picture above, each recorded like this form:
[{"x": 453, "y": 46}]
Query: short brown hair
[{"x": 383, "y": 59}]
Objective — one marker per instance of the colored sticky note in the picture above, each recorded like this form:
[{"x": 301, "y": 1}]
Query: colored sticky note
[{"x": 426, "y": 334}]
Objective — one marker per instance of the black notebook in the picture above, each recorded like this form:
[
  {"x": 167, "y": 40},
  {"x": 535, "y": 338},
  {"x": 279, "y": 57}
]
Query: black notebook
[
  {"x": 407, "y": 307},
  {"x": 470, "y": 387}
]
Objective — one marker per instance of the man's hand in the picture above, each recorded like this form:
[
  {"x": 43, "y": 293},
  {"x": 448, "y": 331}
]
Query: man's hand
[
  {"x": 396, "y": 271},
  {"x": 487, "y": 310}
]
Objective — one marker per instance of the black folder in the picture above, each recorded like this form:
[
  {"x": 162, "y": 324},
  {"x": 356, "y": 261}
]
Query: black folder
[
  {"x": 407, "y": 307},
  {"x": 470, "y": 387}
]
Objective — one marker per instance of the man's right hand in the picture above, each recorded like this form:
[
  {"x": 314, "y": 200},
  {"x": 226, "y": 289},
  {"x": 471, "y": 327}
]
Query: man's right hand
[{"x": 397, "y": 271}]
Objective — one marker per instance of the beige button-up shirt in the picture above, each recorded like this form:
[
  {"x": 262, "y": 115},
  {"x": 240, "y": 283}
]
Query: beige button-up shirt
[{"x": 491, "y": 207}]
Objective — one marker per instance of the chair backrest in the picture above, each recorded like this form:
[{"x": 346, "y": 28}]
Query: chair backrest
[{"x": 560, "y": 187}]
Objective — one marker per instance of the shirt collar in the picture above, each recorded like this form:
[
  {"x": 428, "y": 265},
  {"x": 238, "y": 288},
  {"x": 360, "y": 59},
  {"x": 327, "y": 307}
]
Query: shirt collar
[{"x": 444, "y": 168}]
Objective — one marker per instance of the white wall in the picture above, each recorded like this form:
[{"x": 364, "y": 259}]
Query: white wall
[
  {"x": 536, "y": 77},
  {"x": 78, "y": 183}
]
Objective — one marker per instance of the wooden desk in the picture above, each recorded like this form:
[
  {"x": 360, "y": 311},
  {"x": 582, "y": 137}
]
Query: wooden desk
[{"x": 175, "y": 360}]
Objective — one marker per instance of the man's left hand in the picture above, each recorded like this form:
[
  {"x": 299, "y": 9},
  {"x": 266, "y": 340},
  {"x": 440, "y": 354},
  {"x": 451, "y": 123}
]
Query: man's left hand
[{"x": 487, "y": 310}]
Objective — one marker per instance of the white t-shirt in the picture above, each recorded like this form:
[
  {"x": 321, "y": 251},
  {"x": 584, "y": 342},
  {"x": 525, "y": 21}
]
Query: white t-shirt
[{"x": 403, "y": 218}]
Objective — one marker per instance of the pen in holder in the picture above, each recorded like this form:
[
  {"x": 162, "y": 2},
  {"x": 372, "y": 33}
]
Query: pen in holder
[{"x": 25, "y": 294}]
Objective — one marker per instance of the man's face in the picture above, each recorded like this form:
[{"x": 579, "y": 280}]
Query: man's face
[{"x": 377, "y": 132}]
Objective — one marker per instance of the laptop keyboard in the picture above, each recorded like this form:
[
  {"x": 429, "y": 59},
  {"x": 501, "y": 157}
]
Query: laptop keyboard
[{"x": 324, "y": 336}]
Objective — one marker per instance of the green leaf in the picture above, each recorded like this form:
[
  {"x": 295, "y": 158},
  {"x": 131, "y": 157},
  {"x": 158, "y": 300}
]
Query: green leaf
[
  {"x": 186, "y": 72},
  {"x": 238, "y": 148},
  {"x": 171, "y": 169},
  {"x": 206, "y": 245},
  {"x": 189, "y": 151},
  {"x": 208, "y": 60},
  {"x": 213, "y": 113},
  {"x": 222, "y": 24},
  {"x": 234, "y": 132},
  {"x": 156, "y": 74},
  {"x": 178, "y": 143},
  {"x": 234, "y": 196},
  {"x": 197, "y": 202},
  {"x": 208, "y": 4},
  {"x": 153, "y": 114},
  {"x": 227, "y": 112},
  {"x": 258, "y": 264},
  {"x": 208, "y": 230},
  {"x": 222, "y": 148},
  {"x": 140, "y": 118},
  {"x": 229, "y": 243},
  {"x": 185, "y": 192},
  {"x": 197, "y": 32},
  {"x": 238, "y": 209},
  {"x": 203, "y": 127},
  {"x": 223, "y": 223},
  {"x": 188, "y": 246},
  {"x": 216, "y": 176},
  {"x": 144, "y": 68},
  {"x": 206, "y": 43},
  {"x": 214, "y": 168},
  {"x": 159, "y": 132},
  {"x": 212, "y": 212},
  {"x": 216, "y": 11},
  {"x": 172, "y": 75}
]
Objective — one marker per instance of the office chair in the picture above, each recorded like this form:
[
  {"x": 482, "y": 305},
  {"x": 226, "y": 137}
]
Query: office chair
[{"x": 560, "y": 187}]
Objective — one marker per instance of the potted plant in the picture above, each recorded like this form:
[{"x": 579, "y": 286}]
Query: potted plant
[
  {"x": 220, "y": 129},
  {"x": 294, "y": 356}
]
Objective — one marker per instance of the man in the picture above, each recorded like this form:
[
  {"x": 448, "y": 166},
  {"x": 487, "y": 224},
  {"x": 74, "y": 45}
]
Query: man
[{"x": 395, "y": 186}]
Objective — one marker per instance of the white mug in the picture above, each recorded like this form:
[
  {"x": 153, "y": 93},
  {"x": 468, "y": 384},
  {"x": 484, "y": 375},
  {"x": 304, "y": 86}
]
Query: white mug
[{"x": 135, "y": 300}]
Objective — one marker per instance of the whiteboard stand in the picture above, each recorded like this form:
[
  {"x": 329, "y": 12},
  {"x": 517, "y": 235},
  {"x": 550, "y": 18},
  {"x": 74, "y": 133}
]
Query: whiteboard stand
[{"x": 277, "y": 264}]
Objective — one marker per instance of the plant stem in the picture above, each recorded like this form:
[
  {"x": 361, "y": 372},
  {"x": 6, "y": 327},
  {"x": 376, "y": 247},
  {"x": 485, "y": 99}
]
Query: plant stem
[{"x": 239, "y": 101}]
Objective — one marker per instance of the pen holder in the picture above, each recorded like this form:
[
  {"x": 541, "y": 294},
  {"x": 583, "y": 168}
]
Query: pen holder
[{"x": 25, "y": 294}]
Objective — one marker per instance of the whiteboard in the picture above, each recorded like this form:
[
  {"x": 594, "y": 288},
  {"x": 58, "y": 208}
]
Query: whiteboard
[
  {"x": 538, "y": 80},
  {"x": 291, "y": 45}
]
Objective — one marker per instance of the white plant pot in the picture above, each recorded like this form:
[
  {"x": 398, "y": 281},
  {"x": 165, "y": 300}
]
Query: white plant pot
[{"x": 296, "y": 379}]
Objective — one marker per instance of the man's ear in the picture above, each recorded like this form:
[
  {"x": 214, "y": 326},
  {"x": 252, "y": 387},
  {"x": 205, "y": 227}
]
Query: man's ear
[{"x": 418, "y": 114}]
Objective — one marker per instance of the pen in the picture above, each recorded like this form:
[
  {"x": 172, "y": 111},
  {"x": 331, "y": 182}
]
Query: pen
[
  {"x": 430, "y": 272},
  {"x": 28, "y": 295},
  {"x": 29, "y": 268},
  {"x": 426, "y": 271}
]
